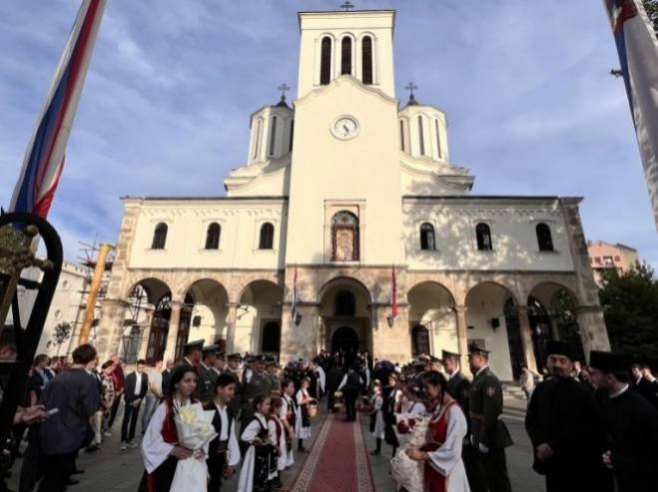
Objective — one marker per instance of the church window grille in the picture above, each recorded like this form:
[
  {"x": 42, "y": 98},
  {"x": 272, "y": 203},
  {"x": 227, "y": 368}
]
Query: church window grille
[
  {"x": 345, "y": 305},
  {"x": 258, "y": 134},
  {"x": 544, "y": 238},
  {"x": 438, "y": 138},
  {"x": 427, "y": 239},
  {"x": 483, "y": 234},
  {"x": 345, "y": 237},
  {"x": 160, "y": 236},
  {"x": 212, "y": 236},
  {"x": 273, "y": 136},
  {"x": 346, "y": 56},
  {"x": 292, "y": 134},
  {"x": 366, "y": 51},
  {"x": 421, "y": 136},
  {"x": 420, "y": 340},
  {"x": 325, "y": 61},
  {"x": 402, "y": 135},
  {"x": 266, "y": 236}
]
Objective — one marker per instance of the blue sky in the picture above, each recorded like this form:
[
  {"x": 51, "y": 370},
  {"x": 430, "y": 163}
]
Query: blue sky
[{"x": 526, "y": 86}]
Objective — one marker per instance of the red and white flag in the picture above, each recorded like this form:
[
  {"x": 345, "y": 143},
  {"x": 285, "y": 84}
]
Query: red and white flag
[
  {"x": 637, "y": 47},
  {"x": 394, "y": 295}
]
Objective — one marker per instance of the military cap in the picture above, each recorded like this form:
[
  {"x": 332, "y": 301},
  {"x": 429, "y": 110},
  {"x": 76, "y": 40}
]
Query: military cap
[
  {"x": 557, "y": 347},
  {"x": 449, "y": 355},
  {"x": 195, "y": 345},
  {"x": 210, "y": 349},
  {"x": 609, "y": 362},
  {"x": 235, "y": 357},
  {"x": 477, "y": 348}
]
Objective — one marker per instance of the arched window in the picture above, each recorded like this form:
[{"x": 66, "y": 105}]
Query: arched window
[
  {"x": 345, "y": 303},
  {"x": 292, "y": 134},
  {"x": 271, "y": 341},
  {"x": 438, "y": 138},
  {"x": 273, "y": 135},
  {"x": 345, "y": 237},
  {"x": 212, "y": 236},
  {"x": 366, "y": 52},
  {"x": 402, "y": 135},
  {"x": 483, "y": 233},
  {"x": 427, "y": 242},
  {"x": 420, "y": 340},
  {"x": 257, "y": 134},
  {"x": 346, "y": 56},
  {"x": 160, "y": 236},
  {"x": 421, "y": 136},
  {"x": 325, "y": 61},
  {"x": 266, "y": 236},
  {"x": 544, "y": 238}
]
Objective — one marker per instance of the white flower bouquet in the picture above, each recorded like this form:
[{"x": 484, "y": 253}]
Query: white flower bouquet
[
  {"x": 407, "y": 472},
  {"x": 195, "y": 431}
]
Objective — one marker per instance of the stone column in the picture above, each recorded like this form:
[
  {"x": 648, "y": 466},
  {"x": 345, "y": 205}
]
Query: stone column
[
  {"x": 172, "y": 334},
  {"x": 231, "y": 318},
  {"x": 146, "y": 333},
  {"x": 299, "y": 340},
  {"x": 110, "y": 328},
  {"x": 391, "y": 342},
  {"x": 592, "y": 328},
  {"x": 462, "y": 337},
  {"x": 526, "y": 338}
]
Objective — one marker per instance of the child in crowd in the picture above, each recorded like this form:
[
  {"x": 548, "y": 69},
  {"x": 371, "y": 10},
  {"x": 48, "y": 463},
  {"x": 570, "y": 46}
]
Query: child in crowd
[
  {"x": 303, "y": 399},
  {"x": 277, "y": 435},
  {"x": 377, "y": 426},
  {"x": 289, "y": 415},
  {"x": 259, "y": 466}
]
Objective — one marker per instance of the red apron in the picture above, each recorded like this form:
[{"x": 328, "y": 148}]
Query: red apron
[{"x": 434, "y": 481}]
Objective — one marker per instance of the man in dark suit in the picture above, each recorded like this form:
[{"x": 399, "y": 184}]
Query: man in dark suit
[
  {"x": 73, "y": 396},
  {"x": 489, "y": 435},
  {"x": 166, "y": 377},
  {"x": 137, "y": 384},
  {"x": 192, "y": 354}
]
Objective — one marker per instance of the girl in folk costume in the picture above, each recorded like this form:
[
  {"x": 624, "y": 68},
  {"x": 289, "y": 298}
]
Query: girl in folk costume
[
  {"x": 413, "y": 408},
  {"x": 377, "y": 425},
  {"x": 259, "y": 465},
  {"x": 303, "y": 427},
  {"x": 444, "y": 469},
  {"x": 277, "y": 435},
  {"x": 160, "y": 448},
  {"x": 288, "y": 416}
]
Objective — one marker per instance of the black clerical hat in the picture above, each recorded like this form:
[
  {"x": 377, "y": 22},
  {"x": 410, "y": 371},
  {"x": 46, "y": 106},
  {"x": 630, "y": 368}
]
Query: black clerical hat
[
  {"x": 449, "y": 355},
  {"x": 557, "y": 347},
  {"x": 609, "y": 362},
  {"x": 477, "y": 347}
]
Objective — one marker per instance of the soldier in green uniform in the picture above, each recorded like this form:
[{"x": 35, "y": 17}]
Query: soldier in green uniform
[
  {"x": 255, "y": 382},
  {"x": 489, "y": 435},
  {"x": 205, "y": 388},
  {"x": 273, "y": 376}
]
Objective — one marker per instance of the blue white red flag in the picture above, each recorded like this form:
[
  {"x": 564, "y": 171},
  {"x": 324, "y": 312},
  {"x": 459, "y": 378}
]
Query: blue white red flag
[
  {"x": 637, "y": 46},
  {"x": 295, "y": 298},
  {"x": 44, "y": 159}
]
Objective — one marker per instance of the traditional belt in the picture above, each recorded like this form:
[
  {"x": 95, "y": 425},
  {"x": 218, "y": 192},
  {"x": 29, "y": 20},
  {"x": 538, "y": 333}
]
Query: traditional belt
[
  {"x": 479, "y": 416},
  {"x": 222, "y": 447}
]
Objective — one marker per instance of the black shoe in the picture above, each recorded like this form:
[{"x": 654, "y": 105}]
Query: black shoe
[
  {"x": 78, "y": 471},
  {"x": 92, "y": 449},
  {"x": 72, "y": 481},
  {"x": 376, "y": 452}
]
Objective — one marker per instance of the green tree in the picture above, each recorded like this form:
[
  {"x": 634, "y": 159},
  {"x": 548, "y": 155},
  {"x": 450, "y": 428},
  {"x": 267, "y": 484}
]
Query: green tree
[
  {"x": 61, "y": 334},
  {"x": 630, "y": 302}
]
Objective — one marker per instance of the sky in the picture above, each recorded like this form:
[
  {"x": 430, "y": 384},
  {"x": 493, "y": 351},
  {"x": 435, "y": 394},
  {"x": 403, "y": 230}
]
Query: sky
[{"x": 531, "y": 106}]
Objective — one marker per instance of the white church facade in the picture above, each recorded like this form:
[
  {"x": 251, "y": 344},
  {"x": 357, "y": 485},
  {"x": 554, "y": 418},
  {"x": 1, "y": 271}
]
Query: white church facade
[{"x": 338, "y": 191}]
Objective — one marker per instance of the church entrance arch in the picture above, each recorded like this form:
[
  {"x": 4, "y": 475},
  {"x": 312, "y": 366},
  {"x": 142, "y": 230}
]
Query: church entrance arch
[
  {"x": 345, "y": 342},
  {"x": 271, "y": 339}
]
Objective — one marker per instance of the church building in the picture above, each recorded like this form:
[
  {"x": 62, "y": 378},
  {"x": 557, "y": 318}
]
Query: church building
[{"x": 349, "y": 203}]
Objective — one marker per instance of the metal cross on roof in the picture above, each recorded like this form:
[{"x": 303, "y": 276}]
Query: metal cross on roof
[
  {"x": 411, "y": 87},
  {"x": 283, "y": 88},
  {"x": 347, "y": 6}
]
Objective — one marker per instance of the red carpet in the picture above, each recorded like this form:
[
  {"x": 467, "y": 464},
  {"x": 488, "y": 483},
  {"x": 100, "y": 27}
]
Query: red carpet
[{"x": 338, "y": 461}]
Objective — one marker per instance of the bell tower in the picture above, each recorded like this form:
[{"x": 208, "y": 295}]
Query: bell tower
[{"x": 357, "y": 43}]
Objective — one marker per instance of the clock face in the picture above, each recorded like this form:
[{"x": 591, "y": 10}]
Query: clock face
[{"x": 345, "y": 127}]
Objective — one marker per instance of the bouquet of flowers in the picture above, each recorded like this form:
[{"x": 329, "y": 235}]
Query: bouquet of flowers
[
  {"x": 195, "y": 431},
  {"x": 407, "y": 472}
]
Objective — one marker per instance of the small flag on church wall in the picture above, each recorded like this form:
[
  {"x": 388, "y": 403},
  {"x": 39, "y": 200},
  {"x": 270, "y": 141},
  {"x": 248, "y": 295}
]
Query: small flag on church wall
[
  {"x": 637, "y": 47},
  {"x": 394, "y": 294},
  {"x": 44, "y": 158},
  {"x": 295, "y": 299}
]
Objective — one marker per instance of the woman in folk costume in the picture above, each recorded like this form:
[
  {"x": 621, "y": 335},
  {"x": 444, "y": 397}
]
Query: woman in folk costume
[
  {"x": 377, "y": 425},
  {"x": 288, "y": 416},
  {"x": 259, "y": 465},
  {"x": 277, "y": 435},
  {"x": 303, "y": 427},
  {"x": 160, "y": 448},
  {"x": 444, "y": 469}
]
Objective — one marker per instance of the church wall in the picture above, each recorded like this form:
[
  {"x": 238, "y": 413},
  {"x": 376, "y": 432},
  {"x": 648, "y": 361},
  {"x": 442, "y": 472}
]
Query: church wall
[
  {"x": 512, "y": 226},
  {"x": 187, "y": 223}
]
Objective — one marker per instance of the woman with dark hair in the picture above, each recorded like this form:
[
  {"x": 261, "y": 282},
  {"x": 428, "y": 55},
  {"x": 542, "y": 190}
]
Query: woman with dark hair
[
  {"x": 444, "y": 469},
  {"x": 160, "y": 445}
]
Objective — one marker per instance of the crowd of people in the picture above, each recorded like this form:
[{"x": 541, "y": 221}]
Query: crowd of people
[{"x": 590, "y": 427}]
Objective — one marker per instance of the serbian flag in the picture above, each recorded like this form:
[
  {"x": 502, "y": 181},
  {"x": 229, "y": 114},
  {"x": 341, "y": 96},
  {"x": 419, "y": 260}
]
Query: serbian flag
[
  {"x": 394, "y": 294},
  {"x": 637, "y": 47},
  {"x": 44, "y": 159},
  {"x": 295, "y": 298}
]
